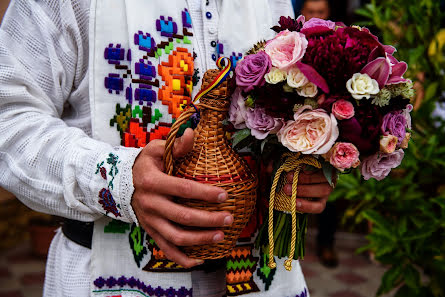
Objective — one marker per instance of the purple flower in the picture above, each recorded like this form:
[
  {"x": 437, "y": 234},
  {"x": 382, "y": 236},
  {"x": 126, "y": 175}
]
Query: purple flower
[
  {"x": 238, "y": 110},
  {"x": 251, "y": 70},
  {"x": 261, "y": 124},
  {"x": 316, "y": 22},
  {"x": 379, "y": 165},
  {"x": 394, "y": 123}
]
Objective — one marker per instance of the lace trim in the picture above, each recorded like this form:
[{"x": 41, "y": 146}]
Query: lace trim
[{"x": 126, "y": 188}]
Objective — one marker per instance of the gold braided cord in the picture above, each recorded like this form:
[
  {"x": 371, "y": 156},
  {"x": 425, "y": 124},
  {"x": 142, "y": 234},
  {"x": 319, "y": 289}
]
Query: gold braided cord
[{"x": 293, "y": 162}]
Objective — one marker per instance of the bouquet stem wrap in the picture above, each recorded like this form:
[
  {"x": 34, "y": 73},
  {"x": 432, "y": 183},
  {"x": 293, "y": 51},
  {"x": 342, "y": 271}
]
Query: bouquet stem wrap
[{"x": 281, "y": 202}]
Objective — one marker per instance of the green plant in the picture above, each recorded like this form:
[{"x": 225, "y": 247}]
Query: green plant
[{"x": 407, "y": 209}]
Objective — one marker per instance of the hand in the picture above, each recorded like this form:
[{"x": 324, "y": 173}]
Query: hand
[
  {"x": 161, "y": 217},
  {"x": 310, "y": 185}
]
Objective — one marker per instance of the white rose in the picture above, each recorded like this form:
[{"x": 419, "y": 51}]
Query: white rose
[
  {"x": 296, "y": 78},
  {"x": 308, "y": 90},
  {"x": 275, "y": 76},
  {"x": 362, "y": 86}
]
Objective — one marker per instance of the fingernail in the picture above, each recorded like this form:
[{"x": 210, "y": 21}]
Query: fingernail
[
  {"x": 222, "y": 197},
  {"x": 218, "y": 237},
  {"x": 228, "y": 221},
  {"x": 298, "y": 204},
  {"x": 199, "y": 262}
]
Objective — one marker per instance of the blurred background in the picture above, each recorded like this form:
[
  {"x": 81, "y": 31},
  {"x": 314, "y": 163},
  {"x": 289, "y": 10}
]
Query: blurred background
[{"x": 375, "y": 238}]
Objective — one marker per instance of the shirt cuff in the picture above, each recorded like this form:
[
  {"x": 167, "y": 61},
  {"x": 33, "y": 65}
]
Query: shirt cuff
[{"x": 113, "y": 177}]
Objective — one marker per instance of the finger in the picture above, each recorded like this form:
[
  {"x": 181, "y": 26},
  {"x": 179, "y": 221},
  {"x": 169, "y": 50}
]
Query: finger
[
  {"x": 314, "y": 177},
  {"x": 314, "y": 206},
  {"x": 184, "y": 144},
  {"x": 181, "y": 147},
  {"x": 310, "y": 191},
  {"x": 184, "y": 188},
  {"x": 180, "y": 237},
  {"x": 188, "y": 216},
  {"x": 172, "y": 252}
]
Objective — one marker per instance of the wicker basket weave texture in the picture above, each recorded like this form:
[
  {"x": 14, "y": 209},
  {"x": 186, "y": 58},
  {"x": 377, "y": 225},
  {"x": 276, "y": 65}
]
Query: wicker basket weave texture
[{"x": 213, "y": 161}]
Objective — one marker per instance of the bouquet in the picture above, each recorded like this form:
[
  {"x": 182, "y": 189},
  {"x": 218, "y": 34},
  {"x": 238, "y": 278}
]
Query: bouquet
[{"x": 322, "y": 95}]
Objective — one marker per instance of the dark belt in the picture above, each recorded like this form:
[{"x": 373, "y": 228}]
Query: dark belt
[{"x": 79, "y": 232}]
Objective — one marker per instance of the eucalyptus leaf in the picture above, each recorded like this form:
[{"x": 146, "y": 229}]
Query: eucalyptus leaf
[
  {"x": 240, "y": 135},
  {"x": 329, "y": 172}
]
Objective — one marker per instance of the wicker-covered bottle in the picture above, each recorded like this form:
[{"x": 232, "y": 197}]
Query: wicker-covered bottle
[{"x": 213, "y": 161}]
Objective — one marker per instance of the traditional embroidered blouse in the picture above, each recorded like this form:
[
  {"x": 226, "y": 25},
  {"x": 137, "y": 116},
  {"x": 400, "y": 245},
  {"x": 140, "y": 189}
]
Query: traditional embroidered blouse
[{"x": 84, "y": 85}]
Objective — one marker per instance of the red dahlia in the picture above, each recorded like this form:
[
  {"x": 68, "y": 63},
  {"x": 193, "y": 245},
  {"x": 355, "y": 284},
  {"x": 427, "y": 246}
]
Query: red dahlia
[{"x": 339, "y": 55}]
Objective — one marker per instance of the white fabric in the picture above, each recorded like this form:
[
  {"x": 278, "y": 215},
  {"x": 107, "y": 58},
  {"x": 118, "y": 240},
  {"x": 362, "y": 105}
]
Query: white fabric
[
  {"x": 48, "y": 157},
  {"x": 72, "y": 262}
]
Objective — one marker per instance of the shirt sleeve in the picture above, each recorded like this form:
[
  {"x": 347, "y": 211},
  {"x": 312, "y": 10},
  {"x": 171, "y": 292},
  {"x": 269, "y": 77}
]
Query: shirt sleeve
[
  {"x": 281, "y": 8},
  {"x": 47, "y": 159}
]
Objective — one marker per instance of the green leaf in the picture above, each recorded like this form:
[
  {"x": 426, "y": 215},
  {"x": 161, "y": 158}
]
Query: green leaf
[
  {"x": 377, "y": 219},
  {"x": 412, "y": 277},
  {"x": 328, "y": 171},
  {"x": 406, "y": 291},
  {"x": 431, "y": 91},
  {"x": 423, "y": 232},
  {"x": 390, "y": 279},
  {"x": 240, "y": 135},
  {"x": 364, "y": 12}
]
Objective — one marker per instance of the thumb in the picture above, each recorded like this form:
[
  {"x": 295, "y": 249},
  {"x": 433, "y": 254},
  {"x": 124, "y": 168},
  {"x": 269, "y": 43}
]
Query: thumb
[{"x": 184, "y": 144}]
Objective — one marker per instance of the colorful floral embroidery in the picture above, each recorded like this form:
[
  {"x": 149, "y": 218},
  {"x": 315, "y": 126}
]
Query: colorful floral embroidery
[
  {"x": 108, "y": 203},
  {"x": 136, "y": 238},
  {"x": 122, "y": 283},
  {"x": 102, "y": 170},
  {"x": 112, "y": 160},
  {"x": 144, "y": 89}
]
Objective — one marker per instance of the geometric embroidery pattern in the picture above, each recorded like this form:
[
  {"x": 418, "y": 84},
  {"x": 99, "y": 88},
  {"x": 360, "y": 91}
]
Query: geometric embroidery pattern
[
  {"x": 116, "y": 226},
  {"x": 136, "y": 239},
  {"x": 265, "y": 273},
  {"x": 158, "y": 261},
  {"x": 241, "y": 266},
  {"x": 121, "y": 284}
]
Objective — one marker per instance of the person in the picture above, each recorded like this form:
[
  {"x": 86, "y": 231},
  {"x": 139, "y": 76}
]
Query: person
[
  {"x": 88, "y": 90},
  {"x": 316, "y": 9},
  {"x": 327, "y": 220}
]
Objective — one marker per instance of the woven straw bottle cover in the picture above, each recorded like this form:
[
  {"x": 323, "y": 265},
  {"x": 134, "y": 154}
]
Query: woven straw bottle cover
[{"x": 213, "y": 161}]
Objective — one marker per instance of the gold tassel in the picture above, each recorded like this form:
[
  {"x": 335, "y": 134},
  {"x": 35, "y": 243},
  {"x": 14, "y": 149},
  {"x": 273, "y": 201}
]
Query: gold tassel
[{"x": 294, "y": 162}]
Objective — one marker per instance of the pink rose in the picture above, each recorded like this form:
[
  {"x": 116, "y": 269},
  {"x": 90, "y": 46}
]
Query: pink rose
[
  {"x": 379, "y": 165},
  {"x": 388, "y": 143},
  {"x": 343, "y": 109},
  {"x": 238, "y": 110},
  {"x": 316, "y": 22},
  {"x": 312, "y": 132},
  {"x": 343, "y": 155},
  {"x": 286, "y": 49}
]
